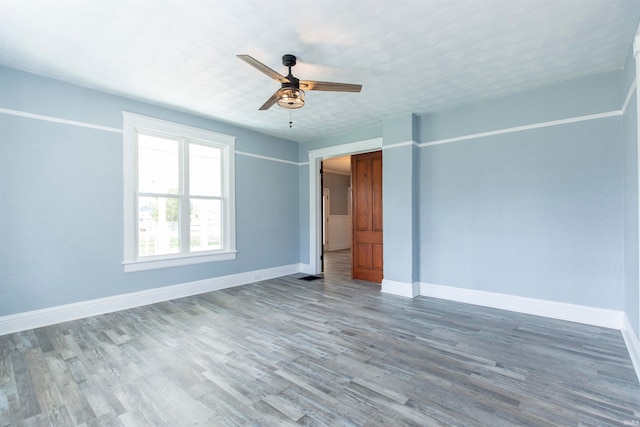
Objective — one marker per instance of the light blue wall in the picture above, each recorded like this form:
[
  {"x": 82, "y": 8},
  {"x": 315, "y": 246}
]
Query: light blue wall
[
  {"x": 400, "y": 198},
  {"x": 61, "y": 200},
  {"x": 535, "y": 214},
  {"x": 630, "y": 155}
]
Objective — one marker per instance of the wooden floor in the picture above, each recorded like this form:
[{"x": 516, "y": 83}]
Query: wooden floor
[{"x": 325, "y": 352}]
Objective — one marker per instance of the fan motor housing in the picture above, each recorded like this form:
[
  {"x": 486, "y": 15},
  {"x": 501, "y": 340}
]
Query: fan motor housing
[
  {"x": 293, "y": 82},
  {"x": 288, "y": 60}
]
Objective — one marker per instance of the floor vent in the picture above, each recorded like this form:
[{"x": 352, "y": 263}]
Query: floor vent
[{"x": 310, "y": 278}]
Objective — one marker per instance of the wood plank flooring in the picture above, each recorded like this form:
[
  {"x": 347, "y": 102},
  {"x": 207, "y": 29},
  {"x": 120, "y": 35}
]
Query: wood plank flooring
[{"x": 331, "y": 352}]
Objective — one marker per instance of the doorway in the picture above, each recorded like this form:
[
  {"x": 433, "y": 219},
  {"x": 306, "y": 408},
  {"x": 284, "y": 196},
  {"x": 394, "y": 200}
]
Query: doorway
[
  {"x": 315, "y": 193},
  {"x": 336, "y": 216}
]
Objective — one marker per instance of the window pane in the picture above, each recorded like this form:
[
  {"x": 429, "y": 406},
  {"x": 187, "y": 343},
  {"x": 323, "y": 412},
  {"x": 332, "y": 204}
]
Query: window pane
[
  {"x": 158, "y": 230},
  {"x": 205, "y": 170},
  {"x": 206, "y": 225},
  {"x": 158, "y": 165}
]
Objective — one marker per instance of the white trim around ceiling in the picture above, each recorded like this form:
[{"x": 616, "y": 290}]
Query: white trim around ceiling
[
  {"x": 273, "y": 159},
  {"x": 524, "y": 128},
  {"x": 539, "y": 125},
  {"x": 632, "y": 89},
  {"x": 58, "y": 120},
  {"x": 400, "y": 144},
  {"x": 53, "y": 119}
]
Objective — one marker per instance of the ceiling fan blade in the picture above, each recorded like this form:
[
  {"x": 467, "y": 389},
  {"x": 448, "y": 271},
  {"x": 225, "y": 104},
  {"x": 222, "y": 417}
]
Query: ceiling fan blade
[
  {"x": 270, "y": 101},
  {"x": 261, "y": 67},
  {"x": 329, "y": 86}
]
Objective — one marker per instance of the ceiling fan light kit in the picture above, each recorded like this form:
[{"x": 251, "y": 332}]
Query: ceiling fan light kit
[{"x": 290, "y": 96}]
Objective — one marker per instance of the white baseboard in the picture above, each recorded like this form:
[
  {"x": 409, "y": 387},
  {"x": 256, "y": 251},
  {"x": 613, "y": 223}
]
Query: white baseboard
[
  {"x": 556, "y": 310},
  {"x": 632, "y": 343},
  {"x": 63, "y": 313},
  {"x": 403, "y": 289},
  {"x": 611, "y": 319}
]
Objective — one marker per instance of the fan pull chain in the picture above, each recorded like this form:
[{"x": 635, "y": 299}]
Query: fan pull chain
[{"x": 290, "y": 120}]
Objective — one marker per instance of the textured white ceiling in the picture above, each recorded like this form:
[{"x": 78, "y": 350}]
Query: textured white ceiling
[{"x": 410, "y": 56}]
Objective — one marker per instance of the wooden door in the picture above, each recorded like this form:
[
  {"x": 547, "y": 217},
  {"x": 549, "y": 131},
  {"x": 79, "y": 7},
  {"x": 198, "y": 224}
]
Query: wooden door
[{"x": 366, "y": 183}]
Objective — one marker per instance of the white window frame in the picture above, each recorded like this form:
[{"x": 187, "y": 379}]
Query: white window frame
[{"x": 134, "y": 123}]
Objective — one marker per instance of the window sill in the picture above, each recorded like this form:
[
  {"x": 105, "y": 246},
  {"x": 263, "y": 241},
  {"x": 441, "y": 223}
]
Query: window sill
[{"x": 176, "y": 261}]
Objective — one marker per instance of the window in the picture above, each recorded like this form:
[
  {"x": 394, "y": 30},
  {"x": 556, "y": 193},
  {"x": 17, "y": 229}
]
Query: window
[{"x": 179, "y": 194}]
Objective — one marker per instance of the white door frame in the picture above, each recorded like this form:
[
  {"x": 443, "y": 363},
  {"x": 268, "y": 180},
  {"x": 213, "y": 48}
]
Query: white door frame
[{"x": 315, "y": 216}]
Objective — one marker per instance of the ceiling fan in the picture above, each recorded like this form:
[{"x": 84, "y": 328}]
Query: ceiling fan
[{"x": 291, "y": 94}]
